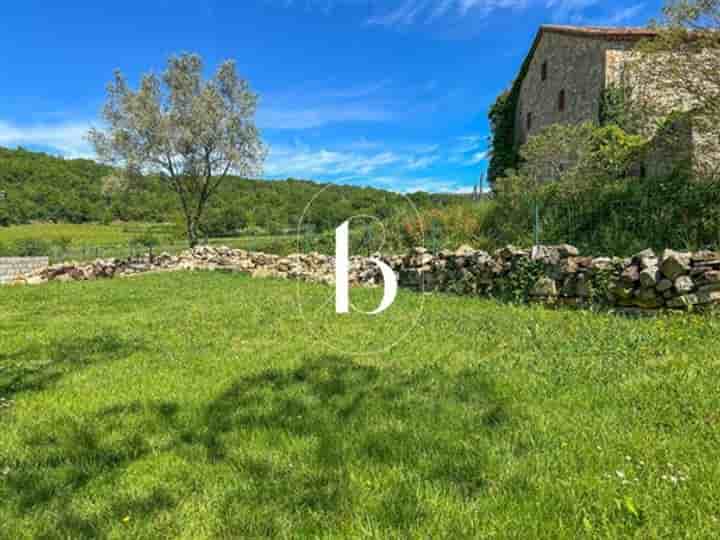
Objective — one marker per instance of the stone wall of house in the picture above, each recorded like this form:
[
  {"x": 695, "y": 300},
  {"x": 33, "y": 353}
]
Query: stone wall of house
[
  {"x": 582, "y": 67},
  {"x": 691, "y": 145},
  {"x": 575, "y": 64},
  {"x": 556, "y": 275},
  {"x": 10, "y": 267}
]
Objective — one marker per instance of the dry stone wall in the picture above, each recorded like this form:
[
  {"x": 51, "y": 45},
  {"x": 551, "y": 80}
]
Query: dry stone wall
[
  {"x": 555, "y": 275},
  {"x": 11, "y": 267}
]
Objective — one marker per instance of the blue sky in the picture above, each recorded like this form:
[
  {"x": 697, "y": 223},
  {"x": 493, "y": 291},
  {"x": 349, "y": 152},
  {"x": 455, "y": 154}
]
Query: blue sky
[{"x": 388, "y": 93}]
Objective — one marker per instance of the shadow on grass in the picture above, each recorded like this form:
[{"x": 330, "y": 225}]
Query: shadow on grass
[
  {"x": 332, "y": 420},
  {"x": 72, "y": 457},
  {"x": 292, "y": 452},
  {"x": 37, "y": 367}
]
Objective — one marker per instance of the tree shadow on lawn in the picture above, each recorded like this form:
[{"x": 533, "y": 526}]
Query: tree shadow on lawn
[
  {"x": 38, "y": 366},
  {"x": 293, "y": 451},
  {"x": 87, "y": 457},
  {"x": 331, "y": 420}
]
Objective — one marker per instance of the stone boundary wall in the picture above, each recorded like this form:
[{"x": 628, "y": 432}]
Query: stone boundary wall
[
  {"x": 556, "y": 275},
  {"x": 10, "y": 267}
]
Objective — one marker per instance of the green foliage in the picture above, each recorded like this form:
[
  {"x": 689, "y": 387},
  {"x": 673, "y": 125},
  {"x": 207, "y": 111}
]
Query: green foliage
[
  {"x": 595, "y": 202},
  {"x": 614, "y": 107},
  {"x": 444, "y": 228},
  {"x": 147, "y": 240},
  {"x": 44, "y": 188},
  {"x": 518, "y": 284},
  {"x": 504, "y": 154},
  {"x": 612, "y": 152},
  {"x": 27, "y": 247}
]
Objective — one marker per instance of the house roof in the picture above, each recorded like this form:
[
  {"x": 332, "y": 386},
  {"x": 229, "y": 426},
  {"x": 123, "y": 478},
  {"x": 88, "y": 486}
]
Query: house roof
[{"x": 597, "y": 32}]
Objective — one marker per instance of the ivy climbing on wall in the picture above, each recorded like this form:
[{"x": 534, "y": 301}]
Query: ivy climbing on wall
[
  {"x": 613, "y": 108},
  {"x": 502, "y": 122}
]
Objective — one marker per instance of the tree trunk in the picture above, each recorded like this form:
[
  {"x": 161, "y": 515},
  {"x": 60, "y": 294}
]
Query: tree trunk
[{"x": 191, "y": 231}]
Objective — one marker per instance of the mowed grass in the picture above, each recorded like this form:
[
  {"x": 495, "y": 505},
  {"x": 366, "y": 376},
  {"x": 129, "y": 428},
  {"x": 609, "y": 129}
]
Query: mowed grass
[{"x": 198, "y": 405}]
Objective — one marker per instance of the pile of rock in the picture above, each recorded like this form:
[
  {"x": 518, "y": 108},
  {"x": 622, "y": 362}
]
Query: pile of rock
[
  {"x": 672, "y": 279},
  {"x": 560, "y": 275},
  {"x": 307, "y": 267}
]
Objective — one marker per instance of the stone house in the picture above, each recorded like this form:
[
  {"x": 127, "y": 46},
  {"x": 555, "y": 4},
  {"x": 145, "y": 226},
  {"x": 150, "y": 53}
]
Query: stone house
[{"x": 563, "y": 78}]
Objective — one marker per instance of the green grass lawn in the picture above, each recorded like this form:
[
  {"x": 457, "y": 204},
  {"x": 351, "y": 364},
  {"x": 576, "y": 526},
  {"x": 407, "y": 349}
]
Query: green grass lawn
[{"x": 198, "y": 405}]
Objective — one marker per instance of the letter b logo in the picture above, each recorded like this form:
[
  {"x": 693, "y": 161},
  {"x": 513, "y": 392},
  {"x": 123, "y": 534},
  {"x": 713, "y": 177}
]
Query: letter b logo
[{"x": 342, "y": 269}]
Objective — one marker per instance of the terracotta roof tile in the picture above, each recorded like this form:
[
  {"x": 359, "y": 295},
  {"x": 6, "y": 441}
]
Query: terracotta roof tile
[{"x": 600, "y": 31}]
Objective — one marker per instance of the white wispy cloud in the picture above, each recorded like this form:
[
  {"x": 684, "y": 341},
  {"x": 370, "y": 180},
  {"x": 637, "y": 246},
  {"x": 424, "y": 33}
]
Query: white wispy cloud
[
  {"x": 404, "y": 13},
  {"x": 307, "y": 163},
  {"x": 401, "y": 167},
  {"x": 624, "y": 15},
  {"x": 421, "y": 162},
  {"x": 66, "y": 139},
  {"x": 408, "y": 184},
  {"x": 477, "y": 158},
  {"x": 278, "y": 117},
  {"x": 592, "y": 12},
  {"x": 468, "y": 143},
  {"x": 426, "y": 11},
  {"x": 315, "y": 104},
  {"x": 569, "y": 10},
  {"x": 302, "y": 161}
]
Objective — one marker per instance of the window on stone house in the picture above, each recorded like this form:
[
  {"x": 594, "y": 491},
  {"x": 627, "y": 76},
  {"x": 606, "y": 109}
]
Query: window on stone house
[
  {"x": 528, "y": 121},
  {"x": 561, "y": 101},
  {"x": 543, "y": 70}
]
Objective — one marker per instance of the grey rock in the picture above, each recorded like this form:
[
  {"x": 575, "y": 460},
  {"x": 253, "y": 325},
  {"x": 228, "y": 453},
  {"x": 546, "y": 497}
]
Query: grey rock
[
  {"x": 646, "y": 298},
  {"x": 464, "y": 250},
  {"x": 601, "y": 263},
  {"x": 650, "y": 276},
  {"x": 645, "y": 258},
  {"x": 664, "y": 285},
  {"x": 684, "y": 284},
  {"x": 630, "y": 276},
  {"x": 545, "y": 287},
  {"x": 674, "y": 264},
  {"x": 705, "y": 256},
  {"x": 710, "y": 287},
  {"x": 695, "y": 299}
]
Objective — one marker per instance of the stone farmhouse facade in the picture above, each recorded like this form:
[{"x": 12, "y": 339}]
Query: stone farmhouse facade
[{"x": 563, "y": 79}]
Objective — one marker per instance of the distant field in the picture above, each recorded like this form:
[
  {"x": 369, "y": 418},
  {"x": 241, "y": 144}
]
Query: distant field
[
  {"x": 77, "y": 234},
  {"x": 197, "y": 405},
  {"x": 90, "y": 241}
]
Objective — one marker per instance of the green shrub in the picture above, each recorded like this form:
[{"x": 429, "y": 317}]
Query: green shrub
[{"x": 30, "y": 247}]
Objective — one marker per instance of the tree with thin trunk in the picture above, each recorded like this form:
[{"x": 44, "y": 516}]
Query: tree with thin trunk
[{"x": 193, "y": 133}]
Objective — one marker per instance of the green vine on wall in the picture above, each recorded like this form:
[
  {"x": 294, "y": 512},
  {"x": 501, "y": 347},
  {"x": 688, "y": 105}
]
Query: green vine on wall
[
  {"x": 502, "y": 122},
  {"x": 614, "y": 108}
]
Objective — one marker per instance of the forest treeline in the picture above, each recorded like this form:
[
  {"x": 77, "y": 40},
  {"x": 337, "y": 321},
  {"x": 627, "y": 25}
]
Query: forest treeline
[{"x": 40, "y": 187}]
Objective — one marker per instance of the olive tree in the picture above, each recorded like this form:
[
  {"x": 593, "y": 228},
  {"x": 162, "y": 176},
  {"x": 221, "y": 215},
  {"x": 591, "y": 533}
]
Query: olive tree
[{"x": 193, "y": 133}]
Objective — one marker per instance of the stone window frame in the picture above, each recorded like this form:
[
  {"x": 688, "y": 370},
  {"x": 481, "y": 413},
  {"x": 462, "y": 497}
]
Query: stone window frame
[
  {"x": 544, "y": 71},
  {"x": 562, "y": 101}
]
